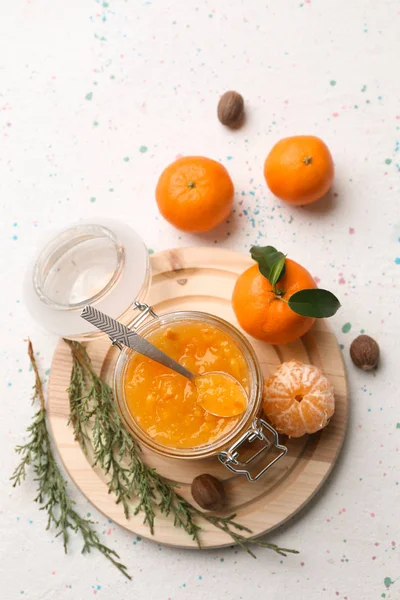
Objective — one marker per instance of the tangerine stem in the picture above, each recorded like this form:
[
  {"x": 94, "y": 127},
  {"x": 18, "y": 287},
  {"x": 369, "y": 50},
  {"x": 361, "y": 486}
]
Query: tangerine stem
[
  {"x": 307, "y": 160},
  {"x": 191, "y": 184}
]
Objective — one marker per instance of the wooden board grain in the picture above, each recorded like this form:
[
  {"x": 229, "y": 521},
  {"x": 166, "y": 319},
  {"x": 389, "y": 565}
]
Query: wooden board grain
[{"x": 203, "y": 279}]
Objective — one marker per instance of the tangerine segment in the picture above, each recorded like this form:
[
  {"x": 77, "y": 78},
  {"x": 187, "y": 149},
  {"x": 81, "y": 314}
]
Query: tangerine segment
[
  {"x": 166, "y": 405},
  {"x": 298, "y": 399},
  {"x": 221, "y": 395}
]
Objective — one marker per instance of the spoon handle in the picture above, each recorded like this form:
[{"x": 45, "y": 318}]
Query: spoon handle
[{"x": 121, "y": 334}]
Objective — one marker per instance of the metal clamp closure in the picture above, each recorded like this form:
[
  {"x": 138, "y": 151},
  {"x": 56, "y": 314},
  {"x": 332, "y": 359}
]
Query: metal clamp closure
[
  {"x": 230, "y": 457},
  {"x": 145, "y": 311}
]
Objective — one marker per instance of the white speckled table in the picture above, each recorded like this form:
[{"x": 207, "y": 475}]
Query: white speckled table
[{"x": 95, "y": 99}]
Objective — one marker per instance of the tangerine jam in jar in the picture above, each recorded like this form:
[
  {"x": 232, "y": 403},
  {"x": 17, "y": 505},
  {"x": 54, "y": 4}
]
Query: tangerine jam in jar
[
  {"x": 164, "y": 403},
  {"x": 162, "y": 408}
]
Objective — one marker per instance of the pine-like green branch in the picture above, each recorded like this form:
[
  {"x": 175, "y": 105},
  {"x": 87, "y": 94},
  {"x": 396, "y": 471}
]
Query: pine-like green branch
[{"x": 52, "y": 493}]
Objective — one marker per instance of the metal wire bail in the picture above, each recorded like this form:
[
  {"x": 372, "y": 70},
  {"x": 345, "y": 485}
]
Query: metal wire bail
[{"x": 231, "y": 457}]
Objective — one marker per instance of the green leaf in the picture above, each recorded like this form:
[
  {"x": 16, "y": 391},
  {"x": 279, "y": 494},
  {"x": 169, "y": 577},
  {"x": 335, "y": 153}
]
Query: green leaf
[
  {"x": 260, "y": 251},
  {"x": 266, "y": 257},
  {"x": 276, "y": 271},
  {"x": 314, "y": 303}
]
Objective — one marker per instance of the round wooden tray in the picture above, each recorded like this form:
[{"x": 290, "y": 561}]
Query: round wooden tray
[{"x": 203, "y": 279}]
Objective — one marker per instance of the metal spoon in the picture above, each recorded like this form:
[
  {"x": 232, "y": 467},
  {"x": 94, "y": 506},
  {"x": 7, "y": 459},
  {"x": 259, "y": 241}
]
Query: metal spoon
[{"x": 119, "y": 334}]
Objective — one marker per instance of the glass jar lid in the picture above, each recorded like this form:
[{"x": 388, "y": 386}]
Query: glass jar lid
[{"x": 103, "y": 262}]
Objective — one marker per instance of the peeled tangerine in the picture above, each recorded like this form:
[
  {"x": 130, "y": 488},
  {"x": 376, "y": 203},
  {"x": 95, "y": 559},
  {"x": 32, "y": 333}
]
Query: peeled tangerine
[{"x": 298, "y": 399}]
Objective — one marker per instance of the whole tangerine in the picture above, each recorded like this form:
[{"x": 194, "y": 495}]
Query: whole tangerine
[
  {"x": 298, "y": 399},
  {"x": 299, "y": 169},
  {"x": 266, "y": 315},
  {"x": 195, "y": 193}
]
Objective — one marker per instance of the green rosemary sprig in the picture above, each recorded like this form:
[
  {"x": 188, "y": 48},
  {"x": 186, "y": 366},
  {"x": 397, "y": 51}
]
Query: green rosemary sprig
[
  {"x": 78, "y": 405},
  {"x": 118, "y": 454},
  {"x": 110, "y": 440},
  {"x": 52, "y": 487}
]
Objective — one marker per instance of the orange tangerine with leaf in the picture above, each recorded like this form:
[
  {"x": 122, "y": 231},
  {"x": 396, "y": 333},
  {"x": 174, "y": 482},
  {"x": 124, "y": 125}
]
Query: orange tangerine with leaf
[{"x": 277, "y": 300}]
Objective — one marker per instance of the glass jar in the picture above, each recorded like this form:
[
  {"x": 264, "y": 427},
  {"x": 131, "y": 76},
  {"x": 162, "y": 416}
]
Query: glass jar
[
  {"x": 250, "y": 426},
  {"x": 103, "y": 263}
]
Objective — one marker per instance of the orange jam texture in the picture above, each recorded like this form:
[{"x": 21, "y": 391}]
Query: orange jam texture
[
  {"x": 166, "y": 405},
  {"x": 220, "y": 394}
]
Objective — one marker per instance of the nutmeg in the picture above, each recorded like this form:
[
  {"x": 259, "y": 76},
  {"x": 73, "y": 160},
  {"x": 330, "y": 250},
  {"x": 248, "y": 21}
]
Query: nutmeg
[
  {"x": 364, "y": 352},
  {"x": 208, "y": 492},
  {"x": 231, "y": 109}
]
